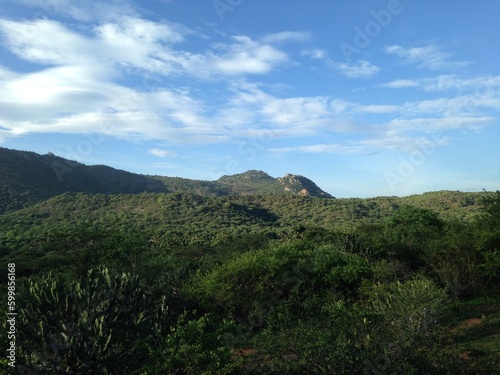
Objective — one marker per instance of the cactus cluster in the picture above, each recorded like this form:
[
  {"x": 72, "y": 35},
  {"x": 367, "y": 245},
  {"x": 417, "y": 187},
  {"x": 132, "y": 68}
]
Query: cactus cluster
[{"x": 88, "y": 326}]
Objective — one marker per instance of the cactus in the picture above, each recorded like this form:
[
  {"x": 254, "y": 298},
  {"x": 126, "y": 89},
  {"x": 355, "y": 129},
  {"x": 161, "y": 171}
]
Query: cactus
[{"x": 93, "y": 326}]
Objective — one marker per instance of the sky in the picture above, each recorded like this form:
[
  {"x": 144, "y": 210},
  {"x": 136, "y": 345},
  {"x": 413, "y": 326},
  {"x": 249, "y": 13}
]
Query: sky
[{"x": 365, "y": 98}]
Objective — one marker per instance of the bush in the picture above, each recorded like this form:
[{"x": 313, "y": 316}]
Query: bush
[
  {"x": 406, "y": 317},
  {"x": 458, "y": 260},
  {"x": 409, "y": 232},
  {"x": 324, "y": 344},
  {"x": 250, "y": 286},
  {"x": 197, "y": 346}
]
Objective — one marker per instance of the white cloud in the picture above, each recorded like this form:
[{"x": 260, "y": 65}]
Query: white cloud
[
  {"x": 434, "y": 124},
  {"x": 287, "y": 36},
  {"x": 377, "y": 108},
  {"x": 360, "y": 69},
  {"x": 81, "y": 10},
  {"x": 448, "y": 82},
  {"x": 340, "y": 106},
  {"x": 131, "y": 42},
  {"x": 401, "y": 83},
  {"x": 286, "y": 117},
  {"x": 139, "y": 44},
  {"x": 78, "y": 92},
  {"x": 323, "y": 148},
  {"x": 160, "y": 153},
  {"x": 34, "y": 41},
  {"x": 429, "y": 56},
  {"x": 316, "y": 53},
  {"x": 247, "y": 57},
  {"x": 464, "y": 105}
]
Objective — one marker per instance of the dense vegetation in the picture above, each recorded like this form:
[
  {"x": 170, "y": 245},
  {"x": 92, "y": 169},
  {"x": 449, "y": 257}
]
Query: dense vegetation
[
  {"x": 182, "y": 283},
  {"x": 27, "y": 178},
  {"x": 186, "y": 284}
]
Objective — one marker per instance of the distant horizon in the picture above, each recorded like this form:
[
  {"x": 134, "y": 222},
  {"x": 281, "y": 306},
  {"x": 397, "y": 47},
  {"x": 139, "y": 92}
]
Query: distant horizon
[
  {"x": 258, "y": 170},
  {"x": 366, "y": 98}
]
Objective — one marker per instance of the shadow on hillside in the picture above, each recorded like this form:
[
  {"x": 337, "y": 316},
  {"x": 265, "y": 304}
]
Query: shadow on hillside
[{"x": 256, "y": 212}]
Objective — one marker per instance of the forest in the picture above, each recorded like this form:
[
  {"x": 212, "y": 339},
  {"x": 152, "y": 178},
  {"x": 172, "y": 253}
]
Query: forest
[{"x": 181, "y": 283}]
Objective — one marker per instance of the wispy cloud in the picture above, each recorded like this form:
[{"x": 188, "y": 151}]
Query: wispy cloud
[
  {"x": 81, "y": 10},
  {"x": 447, "y": 82},
  {"x": 245, "y": 56},
  {"x": 287, "y": 36},
  {"x": 141, "y": 44},
  {"x": 429, "y": 56},
  {"x": 160, "y": 152},
  {"x": 401, "y": 83},
  {"x": 323, "y": 148},
  {"x": 358, "y": 69},
  {"x": 76, "y": 87}
]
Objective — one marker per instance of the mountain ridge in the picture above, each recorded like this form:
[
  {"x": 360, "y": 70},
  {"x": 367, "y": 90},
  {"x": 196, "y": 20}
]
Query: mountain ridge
[{"x": 29, "y": 177}]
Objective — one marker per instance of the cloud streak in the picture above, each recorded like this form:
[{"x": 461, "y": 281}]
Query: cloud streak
[
  {"x": 358, "y": 69},
  {"x": 429, "y": 57}
]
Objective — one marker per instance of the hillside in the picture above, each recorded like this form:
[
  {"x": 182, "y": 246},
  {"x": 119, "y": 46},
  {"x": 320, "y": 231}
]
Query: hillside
[
  {"x": 209, "y": 218},
  {"x": 28, "y": 177},
  {"x": 256, "y": 279}
]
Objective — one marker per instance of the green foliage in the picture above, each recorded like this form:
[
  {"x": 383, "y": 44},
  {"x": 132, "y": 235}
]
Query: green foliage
[
  {"x": 323, "y": 344},
  {"x": 409, "y": 308},
  {"x": 29, "y": 178},
  {"x": 87, "y": 327},
  {"x": 405, "y": 318},
  {"x": 458, "y": 260},
  {"x": 196, "y": 346},
  {"x": 256, "y": 284},
  {"x": 491, "y": 210},
  {"x": 410, "y": 230}
]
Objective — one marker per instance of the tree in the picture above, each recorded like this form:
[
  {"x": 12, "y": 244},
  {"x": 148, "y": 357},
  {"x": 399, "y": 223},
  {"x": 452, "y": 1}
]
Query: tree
[{"x": 410, "y": 230}]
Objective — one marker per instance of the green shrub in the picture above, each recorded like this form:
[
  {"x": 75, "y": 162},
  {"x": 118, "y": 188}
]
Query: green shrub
[
  {"x": 254, "y": 283},
  {"x": 196, "y": 346},
  {"x": 407, "y": 316}
]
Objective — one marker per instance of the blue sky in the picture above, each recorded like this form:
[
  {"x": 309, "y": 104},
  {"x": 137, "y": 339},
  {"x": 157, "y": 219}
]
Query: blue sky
[{"x": 366, "y": 98}]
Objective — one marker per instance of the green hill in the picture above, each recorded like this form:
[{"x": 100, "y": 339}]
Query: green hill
[{"x": 28, "y": 177}]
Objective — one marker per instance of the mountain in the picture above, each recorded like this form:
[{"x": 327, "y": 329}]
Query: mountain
[
  {"x": 28, "y": 177},
  {"x": 258, "y": 182}
]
